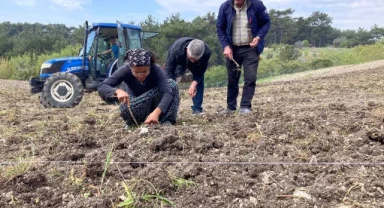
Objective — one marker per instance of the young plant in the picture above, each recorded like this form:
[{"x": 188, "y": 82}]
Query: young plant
[
  {"x": 18, "y": 168},
  {"x": 107, "y": 162},
  {"x": 181, "y": 182},
  {"x": 77, "y": 181},
  {"x": 131, "y": 199}
]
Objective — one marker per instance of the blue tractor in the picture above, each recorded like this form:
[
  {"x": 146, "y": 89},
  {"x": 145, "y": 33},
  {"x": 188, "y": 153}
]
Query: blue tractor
[{"x": 63, "y": 81}]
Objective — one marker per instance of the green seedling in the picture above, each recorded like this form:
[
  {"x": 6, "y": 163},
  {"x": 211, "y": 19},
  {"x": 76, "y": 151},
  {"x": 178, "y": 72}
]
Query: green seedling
[
  {"x": 107, "y": 163},
  {"x": 181, "y": 182},
  {"x": 75, "y": 180},
  {"x": 130, "y": 199}
]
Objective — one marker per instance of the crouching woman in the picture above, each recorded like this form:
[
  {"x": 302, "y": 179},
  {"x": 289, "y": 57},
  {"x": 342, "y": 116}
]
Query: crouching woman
[{"x": 151, "y": 97}]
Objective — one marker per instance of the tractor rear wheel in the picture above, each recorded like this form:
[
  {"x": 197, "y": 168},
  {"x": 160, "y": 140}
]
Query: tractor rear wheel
[{"x": 62, "y": 90}]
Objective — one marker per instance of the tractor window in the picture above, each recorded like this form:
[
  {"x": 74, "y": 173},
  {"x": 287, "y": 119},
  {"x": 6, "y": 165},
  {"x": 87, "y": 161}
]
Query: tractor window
[
  {"x": 102, "y": 46},
  {"x": 91, "y": 37},
  {"x": 134, "y": 38}
]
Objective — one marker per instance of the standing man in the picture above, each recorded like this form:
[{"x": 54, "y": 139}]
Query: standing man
[
  {"x": 193, "y": 54},
  {"x": 241, "y": 27}
]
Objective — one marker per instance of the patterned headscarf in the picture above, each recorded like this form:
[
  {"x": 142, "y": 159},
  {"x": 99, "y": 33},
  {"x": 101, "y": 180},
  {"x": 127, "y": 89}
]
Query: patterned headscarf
[{"x": 138, "y": 57}]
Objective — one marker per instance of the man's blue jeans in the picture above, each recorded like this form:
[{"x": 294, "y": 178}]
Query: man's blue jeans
[{"x": 198, "y": 99}]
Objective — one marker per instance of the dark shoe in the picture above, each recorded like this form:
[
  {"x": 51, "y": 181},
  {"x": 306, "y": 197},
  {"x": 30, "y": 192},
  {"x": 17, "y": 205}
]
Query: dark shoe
[
  {"x": 166, "y": 123},
  {"x": 245, "y": 111},
  {"x": 197, "y": 112},
  {"x": 227, "y": 112}
]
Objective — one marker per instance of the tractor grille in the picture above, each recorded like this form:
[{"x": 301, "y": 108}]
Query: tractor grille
[{"x": 56, "y": 67}]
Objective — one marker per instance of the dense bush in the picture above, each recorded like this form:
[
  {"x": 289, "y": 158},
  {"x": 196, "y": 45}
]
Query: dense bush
[
  {"x": 216, "y": 76},
  {"x": 320, "y": 63},
  {"x": 274, "y": 47},
  {"x": 6, "y": 70},
  {"x": 23, "y": 66},
  {"x": 28, "y": 65},
  {"x": 296, "y": 53},
  {"x": 288, "y": 53},
  {"x": 356, "y": 55},
  {"x": 269, "y": 56},
  {"x": 294, "y": 67},
  {"x": 268, "y": 68},
  {"x": 273, "y": 67},
  {"x": 306, "y": 43},
  {"x": 337, "y": 42},
  {"x": 381, "y": 41},
  {"x": 299, "y": 44}
]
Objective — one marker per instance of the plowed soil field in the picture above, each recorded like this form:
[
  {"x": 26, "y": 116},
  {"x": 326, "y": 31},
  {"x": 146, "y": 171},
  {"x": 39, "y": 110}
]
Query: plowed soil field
[{"x": 312, "y": 140}]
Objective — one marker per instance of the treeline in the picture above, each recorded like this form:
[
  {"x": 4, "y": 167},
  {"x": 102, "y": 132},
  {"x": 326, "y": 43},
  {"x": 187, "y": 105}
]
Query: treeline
[
  {"x": 316, "y": 30},
  {"x": 35, "y": 42},
  {"x": 20, "y": 38}
]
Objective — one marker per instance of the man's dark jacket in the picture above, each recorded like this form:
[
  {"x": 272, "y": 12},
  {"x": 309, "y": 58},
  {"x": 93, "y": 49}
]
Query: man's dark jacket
[
  {"x": 177, "y": 60},
  {"x": 257, "y": 16}
]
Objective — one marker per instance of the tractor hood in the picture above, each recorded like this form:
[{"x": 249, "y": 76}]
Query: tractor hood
[
  {"x": 64, "y": 64},
  {"x": 76, "y": 58}
]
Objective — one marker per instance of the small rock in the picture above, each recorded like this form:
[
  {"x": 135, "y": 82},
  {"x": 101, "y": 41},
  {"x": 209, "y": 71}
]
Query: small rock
[
  {"x": 65, "y": 197},
  {"x": 301, "y": 194},
  {"x": 253, "y": 200},
  {"x": 371, "y": 104},
  {"x": 190, "y": 171},
  {"x": 344, "y": 206},
  {"x": 90, "y": 121},
  {"x": 265, "y": 178},
  {"x": 143, "y": 131},
  {"x": 9, "y": 194},
  {"x": 380, "y": 190}
]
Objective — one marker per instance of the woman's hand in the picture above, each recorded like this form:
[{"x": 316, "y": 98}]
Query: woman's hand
[
  {"x": 122, "y": 96},
  {"x": 153, "y": 118}
]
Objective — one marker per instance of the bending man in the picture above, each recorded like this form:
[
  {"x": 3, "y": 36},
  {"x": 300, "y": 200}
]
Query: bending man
[{"x": 193, "y": 54}]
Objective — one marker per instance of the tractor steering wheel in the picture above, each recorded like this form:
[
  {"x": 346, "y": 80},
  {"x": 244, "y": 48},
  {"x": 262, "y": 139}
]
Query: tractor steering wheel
[{"x": 103, "y": 57}]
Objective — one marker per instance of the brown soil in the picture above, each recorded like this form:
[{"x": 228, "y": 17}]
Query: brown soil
[{"x": 56, "y": 157}]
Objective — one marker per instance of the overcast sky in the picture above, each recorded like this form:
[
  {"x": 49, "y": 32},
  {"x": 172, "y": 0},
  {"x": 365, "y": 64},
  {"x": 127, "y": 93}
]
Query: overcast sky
[{"x": 351, "y": 14}]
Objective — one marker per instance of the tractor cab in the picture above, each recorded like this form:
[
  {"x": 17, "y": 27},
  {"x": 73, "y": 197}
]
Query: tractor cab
[
  {"x": 62, "y": 81},
  {"x": 105, "y": 49}
]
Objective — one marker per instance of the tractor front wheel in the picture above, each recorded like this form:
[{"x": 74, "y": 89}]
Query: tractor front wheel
[{"x": 62, "y": 90}]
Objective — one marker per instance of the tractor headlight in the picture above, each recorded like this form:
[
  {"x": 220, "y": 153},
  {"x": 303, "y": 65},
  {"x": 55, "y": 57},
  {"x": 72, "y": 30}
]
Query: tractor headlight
[{"x": 46, "y": 65}]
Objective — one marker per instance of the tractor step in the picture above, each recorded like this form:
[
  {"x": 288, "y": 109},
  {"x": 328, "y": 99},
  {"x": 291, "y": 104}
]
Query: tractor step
[{"x": 91, "y": 84}]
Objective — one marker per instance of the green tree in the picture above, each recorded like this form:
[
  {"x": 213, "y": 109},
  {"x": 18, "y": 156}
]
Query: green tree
[
  {"x": 303, "y": 29},
  {"x": 320, "y": 28},
  {"x": 282, "y": 28}
]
